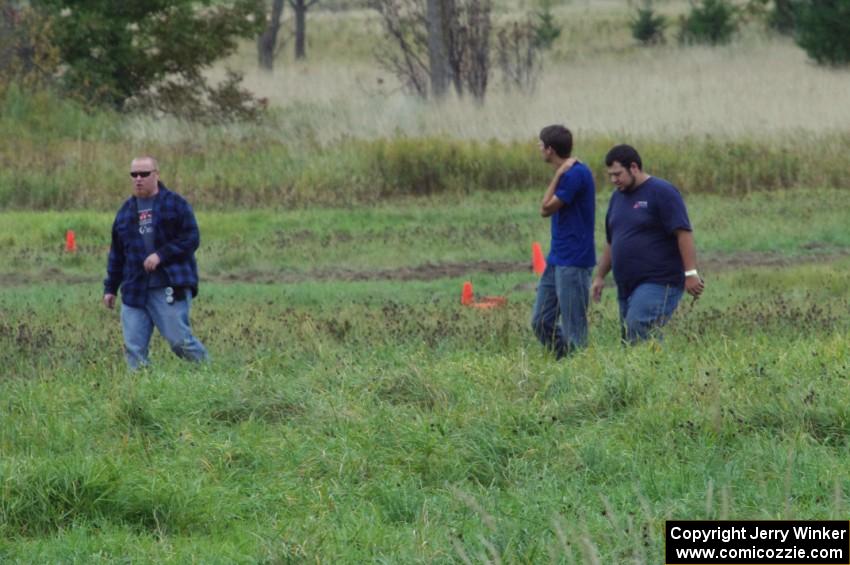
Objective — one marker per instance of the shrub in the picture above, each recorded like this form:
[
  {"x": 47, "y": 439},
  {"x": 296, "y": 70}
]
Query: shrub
[
  {"x": 779, "y": 15},
  {"x": 116, "y": 52},
  {"x": 648, "y": 27},
  {"x": 823, "y": 30},
  {"x": 195, "y": 100},
  {"x": 432, "y": 166},
  {"x": 710, "y": 21},
  {"x": 546, "y": 29}
]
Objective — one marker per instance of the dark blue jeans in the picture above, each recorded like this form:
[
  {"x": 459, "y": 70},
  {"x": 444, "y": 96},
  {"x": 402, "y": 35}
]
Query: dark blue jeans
[
  {"x": 646, "y": 309},
  {"x": 564, "y": 292}
]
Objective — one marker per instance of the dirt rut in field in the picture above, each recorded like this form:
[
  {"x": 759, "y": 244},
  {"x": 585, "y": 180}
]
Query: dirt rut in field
[{"x": 709, "y": 263}]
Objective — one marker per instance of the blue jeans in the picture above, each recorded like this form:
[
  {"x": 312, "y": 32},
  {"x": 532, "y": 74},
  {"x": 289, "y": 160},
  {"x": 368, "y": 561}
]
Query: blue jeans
[
  {"x": 564, "y": 292},
  {"x": 646, "y": 309},
  {"x": 172, "y": 321}
]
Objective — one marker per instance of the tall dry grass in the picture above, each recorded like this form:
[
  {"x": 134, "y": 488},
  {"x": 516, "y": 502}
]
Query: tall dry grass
[
  {"x": 755, "y": 115},
  {"x": 596, "y": 80}
]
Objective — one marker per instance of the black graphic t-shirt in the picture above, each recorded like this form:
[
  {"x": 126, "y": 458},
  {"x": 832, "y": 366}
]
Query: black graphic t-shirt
[{"x": 157, "y": 278}]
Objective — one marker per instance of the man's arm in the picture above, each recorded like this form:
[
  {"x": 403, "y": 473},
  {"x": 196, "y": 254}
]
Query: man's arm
[
  {"x": 601, "y": 272},
  {"x": 185, "y": 243},
  {"x": 687, "y": 249},
  {"x": 551, "y": 203},
  {"x": 114, "y": 268}
]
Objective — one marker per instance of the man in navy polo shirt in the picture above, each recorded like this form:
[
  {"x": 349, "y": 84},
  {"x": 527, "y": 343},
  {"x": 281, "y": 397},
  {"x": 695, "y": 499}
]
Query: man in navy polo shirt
[
  {"x": 650, "y": 245},
  {"x": 152, "y": 261},
  {"x": 564, "y": 289}
]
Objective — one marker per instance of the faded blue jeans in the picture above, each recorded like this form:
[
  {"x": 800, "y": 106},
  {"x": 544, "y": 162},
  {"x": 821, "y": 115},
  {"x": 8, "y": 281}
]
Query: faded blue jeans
[
  {"x": 172, "y": 321},
  {"x": 646, "y": 309},
  {"x": 563, "y": 292}
]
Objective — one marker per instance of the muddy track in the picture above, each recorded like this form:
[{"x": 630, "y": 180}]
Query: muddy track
[
  {"x": 424, "y": 272},
  {"x": 709, "y": 263}
]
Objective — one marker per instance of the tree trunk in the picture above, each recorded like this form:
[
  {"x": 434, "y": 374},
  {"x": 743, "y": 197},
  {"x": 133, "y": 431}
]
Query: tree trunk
[
  {"x": 300, "y": 30},
  {"x": 437, "y": 57},
  {"x": 6, "y": 37},
  {"x": 301, "y": 7},
  {"x": 267, "y": 42},
  {"x": 784, "y": 16},
  {"x": 478, "y": 14}
]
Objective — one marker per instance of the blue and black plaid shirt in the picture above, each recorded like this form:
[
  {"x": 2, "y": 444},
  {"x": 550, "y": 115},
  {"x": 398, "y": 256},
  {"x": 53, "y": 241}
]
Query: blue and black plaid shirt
[{"x": 176, "y": 238}]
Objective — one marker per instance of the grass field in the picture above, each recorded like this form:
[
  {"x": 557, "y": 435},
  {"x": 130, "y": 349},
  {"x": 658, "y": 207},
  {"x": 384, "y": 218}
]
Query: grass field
[
  {"x": 317, "y": 242},
  {"x": 354, "y": 411},
  {"x": 351, "y": 416}
]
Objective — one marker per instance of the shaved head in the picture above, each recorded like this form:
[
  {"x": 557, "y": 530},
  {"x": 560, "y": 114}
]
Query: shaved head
[{"x": 147, "y": 160}]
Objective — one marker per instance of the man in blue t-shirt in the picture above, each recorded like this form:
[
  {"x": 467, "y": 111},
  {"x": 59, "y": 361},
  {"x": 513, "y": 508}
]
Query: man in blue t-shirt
[
  {"x": 564, "y": 288},
  {"x": 650, "y": 245}
]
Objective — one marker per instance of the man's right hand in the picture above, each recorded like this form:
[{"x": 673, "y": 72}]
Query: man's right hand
[
  {"x": 109, "y": 300},
  {"x": 566, "y": 166},
  {"x": 596, "y": 288}
]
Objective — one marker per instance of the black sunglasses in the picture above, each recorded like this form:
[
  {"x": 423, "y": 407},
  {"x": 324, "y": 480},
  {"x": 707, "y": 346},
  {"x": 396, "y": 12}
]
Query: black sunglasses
[{"x": 143, "y": 174}]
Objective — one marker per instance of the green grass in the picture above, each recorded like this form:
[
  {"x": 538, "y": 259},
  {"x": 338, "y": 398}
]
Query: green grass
[
  {"x": 350, "y": 421},
  {"x": 380, "y": 421},
  {"x": 410, "y": 233}
]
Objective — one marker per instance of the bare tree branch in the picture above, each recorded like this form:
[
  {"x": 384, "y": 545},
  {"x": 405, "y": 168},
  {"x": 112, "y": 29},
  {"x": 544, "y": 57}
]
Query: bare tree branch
[
  {"x": 411, "y": 26},
  {"x": 517, "y": 54}
]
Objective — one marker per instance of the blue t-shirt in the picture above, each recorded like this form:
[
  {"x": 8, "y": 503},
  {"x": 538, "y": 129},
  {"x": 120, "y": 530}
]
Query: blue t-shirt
[
  {"x": 640, "y": 227},
  {"x": 572, "y": 224}
]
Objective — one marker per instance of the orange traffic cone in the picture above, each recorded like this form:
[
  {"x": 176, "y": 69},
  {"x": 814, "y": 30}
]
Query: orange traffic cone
[
  {"x": 466, "y": 295},
  {"x": 538, "y": 263},
  {"x": 70, "y": 241}
]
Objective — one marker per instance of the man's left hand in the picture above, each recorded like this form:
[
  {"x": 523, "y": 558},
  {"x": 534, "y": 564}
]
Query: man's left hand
[
  {"x": 152, "y": 262},
  {"x": 694, "y": 286}
]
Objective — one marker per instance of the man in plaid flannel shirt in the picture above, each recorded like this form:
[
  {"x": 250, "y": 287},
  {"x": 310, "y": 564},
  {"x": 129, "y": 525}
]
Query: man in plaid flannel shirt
[{"x": 152, "y": 260}]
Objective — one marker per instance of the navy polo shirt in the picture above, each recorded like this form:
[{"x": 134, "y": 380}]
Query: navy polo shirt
[{"x": 640, "y": 227}]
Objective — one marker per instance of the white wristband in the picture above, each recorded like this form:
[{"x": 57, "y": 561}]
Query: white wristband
[{"x": 691, "y": 273}]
